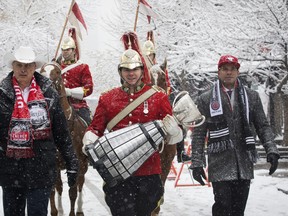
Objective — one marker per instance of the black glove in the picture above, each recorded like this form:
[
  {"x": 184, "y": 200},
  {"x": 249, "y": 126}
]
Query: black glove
[
  {"x": 72, "y": 177},
  {"x": 273, "y": 160},
  {"x": 198, "y": 173},
  {"x": 2, "y": 153}
]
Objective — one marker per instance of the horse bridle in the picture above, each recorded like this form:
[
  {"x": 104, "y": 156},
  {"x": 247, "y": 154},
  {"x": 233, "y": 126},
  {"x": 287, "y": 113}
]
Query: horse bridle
[{"x": 52, "y": 64}]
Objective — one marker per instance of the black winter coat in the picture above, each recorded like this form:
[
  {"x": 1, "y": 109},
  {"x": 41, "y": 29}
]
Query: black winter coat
[
  {"x": 38, "y": 171},
  {"x": 231, "y": 164}
]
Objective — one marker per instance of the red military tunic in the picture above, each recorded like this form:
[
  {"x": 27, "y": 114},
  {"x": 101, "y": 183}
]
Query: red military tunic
[
  {"x": 112, "y": 102},
  {"x": 77, "y": 75}
]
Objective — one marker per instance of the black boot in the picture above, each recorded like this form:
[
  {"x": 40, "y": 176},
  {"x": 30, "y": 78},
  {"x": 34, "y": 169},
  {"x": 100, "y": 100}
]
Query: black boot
[{"x": 183, "y": 157}]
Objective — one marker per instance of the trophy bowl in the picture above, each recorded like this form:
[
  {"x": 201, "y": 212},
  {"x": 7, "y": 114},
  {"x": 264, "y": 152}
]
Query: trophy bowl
[{"x": 186, "y": 112}]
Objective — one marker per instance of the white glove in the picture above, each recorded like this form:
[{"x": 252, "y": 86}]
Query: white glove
[
  {"x": 88, "y": 138},
  {"x": 68, "y": 92},
  {"x": 77, "y": 93},
  {"x": 172, "y": 129}
]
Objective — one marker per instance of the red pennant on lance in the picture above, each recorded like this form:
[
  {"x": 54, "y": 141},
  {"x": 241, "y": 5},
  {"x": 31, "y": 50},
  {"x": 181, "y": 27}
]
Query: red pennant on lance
[
  {"x": 146, "y": 9},
  {"x": 75, "y": 17},
  {"x": 78, "y": 14}
]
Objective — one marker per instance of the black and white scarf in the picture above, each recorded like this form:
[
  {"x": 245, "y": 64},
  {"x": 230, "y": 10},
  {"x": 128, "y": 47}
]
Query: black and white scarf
[{"x": 219, "y": 138}]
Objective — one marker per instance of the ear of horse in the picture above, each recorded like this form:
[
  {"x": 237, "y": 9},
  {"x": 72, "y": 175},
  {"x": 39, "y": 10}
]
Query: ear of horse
[
  {"x": 164, "y": 65},
  {"x": 55, "y": 63},
  {"x": 42, "y": 68}
]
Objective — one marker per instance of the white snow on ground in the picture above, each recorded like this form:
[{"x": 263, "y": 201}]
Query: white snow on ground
[{"x": 265, "y": 199}]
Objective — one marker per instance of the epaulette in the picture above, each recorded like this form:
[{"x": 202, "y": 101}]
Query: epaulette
[
  {"x": 158, "y": 89},
  {"x": 108, "y": 90}
]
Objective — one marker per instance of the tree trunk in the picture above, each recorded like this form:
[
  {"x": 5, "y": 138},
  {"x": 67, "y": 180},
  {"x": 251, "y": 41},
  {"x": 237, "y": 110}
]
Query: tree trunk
[
  {"x": 276, "y": 113},
  {"x": 285, "y": 137}
]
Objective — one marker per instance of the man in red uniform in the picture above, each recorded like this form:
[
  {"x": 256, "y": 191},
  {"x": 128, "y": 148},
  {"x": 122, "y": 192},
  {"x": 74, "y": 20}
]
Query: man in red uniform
[
  {"x": 77, "y": 79},
  {"x": 140, "y": 193}
]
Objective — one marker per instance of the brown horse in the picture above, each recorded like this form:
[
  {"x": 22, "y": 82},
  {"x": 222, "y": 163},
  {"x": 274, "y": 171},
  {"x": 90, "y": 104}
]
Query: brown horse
[
  {"x": 158, "y": 77},
  {"x": 77, "y": 129}
]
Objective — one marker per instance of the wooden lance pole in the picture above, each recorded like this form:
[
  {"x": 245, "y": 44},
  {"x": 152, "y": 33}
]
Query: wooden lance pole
[
  {"x": 65, "y": 24},
  {"x": 136, "y": 17}
]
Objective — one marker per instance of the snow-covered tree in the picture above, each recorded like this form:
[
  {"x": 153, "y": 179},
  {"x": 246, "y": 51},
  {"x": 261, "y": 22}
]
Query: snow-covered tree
[{"x": 192, "y": 35}]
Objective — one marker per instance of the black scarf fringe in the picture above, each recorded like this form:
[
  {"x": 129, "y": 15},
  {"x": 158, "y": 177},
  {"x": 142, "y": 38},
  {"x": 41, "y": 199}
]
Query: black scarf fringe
[{"x": 219, "y": 146}]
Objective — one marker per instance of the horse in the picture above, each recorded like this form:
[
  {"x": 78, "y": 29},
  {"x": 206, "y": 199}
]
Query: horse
[
  {"x": 158, "y": 78},
  {"x": 77, "y": 127}
]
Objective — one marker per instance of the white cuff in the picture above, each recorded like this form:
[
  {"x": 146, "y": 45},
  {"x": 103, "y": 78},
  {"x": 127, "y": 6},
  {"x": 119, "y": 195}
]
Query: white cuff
[
  {"x": 88, "y": 138},
  {"x": 77, "y": 93}
]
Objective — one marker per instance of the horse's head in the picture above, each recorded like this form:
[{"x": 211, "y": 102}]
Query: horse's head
[
  {"x": 53, "y": 71},
  {"x": 158, "y": 75}
]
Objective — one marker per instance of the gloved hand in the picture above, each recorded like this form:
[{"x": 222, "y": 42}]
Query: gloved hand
[
  {"x": 88, "y": 138},
  {"x": 170, "y": 125},
  {"x": 77, "y": 92},
  {"x": 2, "y": 153},
  {"x": 273, "y": 160},
  {"x": 172, "y": 129},
  {"x": 72, "y": 177},
  {"x": 68, "y": 92},
  {"x": 198, "y": 173}
]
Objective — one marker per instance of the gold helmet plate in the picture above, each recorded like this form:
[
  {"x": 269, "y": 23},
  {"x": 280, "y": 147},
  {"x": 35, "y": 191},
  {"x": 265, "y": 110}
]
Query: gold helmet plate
[
  {"x": 68, "y": 43},
  {"x": 130, "y": 59},
  {"x": 148, "y": 48}
]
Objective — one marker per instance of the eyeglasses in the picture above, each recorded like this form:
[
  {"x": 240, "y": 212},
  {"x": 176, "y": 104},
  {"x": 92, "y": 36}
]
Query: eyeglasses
[
  {"x": 226, "y": 69},
  {"x": 25, "y": 66}
]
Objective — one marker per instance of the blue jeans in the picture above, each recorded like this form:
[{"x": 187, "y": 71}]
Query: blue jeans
[{"x": 14, "y": 201}]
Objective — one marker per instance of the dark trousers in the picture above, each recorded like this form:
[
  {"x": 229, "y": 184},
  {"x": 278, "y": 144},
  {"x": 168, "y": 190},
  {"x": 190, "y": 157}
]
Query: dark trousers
[
  {"x": 14, "y": 201},
  {"x": 230, "y": 197},
  {"x": 136, "y": 196}
]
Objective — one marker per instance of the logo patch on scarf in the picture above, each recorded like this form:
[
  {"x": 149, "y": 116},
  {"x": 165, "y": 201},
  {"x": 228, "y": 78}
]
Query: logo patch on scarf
[
  {"x": 20, "y": 133},
  {"x": 38, "y": 115},
  {"x": 215, "y": 105},
  {"x": 39, "y": 119}
]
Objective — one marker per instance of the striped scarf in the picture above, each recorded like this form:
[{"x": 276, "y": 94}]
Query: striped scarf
[
  {"x": 219, "y": 138},
  {"x": 30, "y": 121}
]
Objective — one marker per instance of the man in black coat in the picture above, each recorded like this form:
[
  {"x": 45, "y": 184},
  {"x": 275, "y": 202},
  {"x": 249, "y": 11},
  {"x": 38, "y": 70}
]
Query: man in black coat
[
  {"x": 231, "y": 111},
  {"x": 32, "y": 128}
]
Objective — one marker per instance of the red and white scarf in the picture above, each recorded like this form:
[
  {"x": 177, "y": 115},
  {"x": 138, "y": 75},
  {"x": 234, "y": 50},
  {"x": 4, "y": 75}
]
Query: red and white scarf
[{"x": 30, "y": 121}]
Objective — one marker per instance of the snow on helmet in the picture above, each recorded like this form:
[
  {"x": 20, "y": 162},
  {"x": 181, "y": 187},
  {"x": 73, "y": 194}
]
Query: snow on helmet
[
  {"x": 228, "y": 59},
  {"x": 130, "y": 59},
  {"x": 148, "y": 48},
  {"x": 68, "y": 43}
]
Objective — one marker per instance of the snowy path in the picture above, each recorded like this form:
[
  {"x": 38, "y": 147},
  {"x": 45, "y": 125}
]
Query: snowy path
[{"x": 265, "y": 199}]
